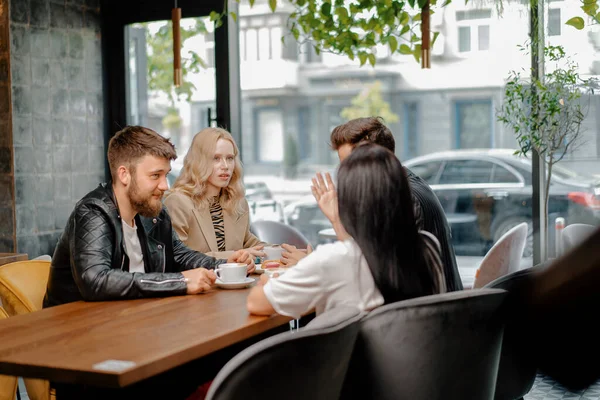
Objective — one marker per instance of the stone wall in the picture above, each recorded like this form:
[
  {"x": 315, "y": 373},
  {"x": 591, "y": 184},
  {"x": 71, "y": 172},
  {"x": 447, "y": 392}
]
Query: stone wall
[{"x": 57, "y": 114}]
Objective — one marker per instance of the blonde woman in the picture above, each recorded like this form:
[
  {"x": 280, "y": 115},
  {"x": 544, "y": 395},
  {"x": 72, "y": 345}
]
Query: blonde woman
[{"x": 207, "y": 205}]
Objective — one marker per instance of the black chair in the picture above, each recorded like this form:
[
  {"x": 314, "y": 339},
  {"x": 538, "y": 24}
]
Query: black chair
[
  {"x": 517, "y": 370},
  {"x": 308, "y": 364},
  {"x": 274, "y": 232},
  {"x": 443, "y": 346}
]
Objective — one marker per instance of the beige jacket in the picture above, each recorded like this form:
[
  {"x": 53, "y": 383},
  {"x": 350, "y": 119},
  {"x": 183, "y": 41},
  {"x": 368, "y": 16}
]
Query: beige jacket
[{"x": 195, "y": 228}]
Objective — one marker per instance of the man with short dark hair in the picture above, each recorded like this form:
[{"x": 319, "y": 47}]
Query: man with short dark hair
[
  {"x": 119, "y": 243},
  {"x": 428, "y": 210}
]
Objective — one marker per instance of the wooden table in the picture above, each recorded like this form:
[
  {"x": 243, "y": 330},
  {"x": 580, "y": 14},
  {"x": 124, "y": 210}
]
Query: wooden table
[
  {"x": 6, "y": 258},
  {"x": 69, "y": 343}
]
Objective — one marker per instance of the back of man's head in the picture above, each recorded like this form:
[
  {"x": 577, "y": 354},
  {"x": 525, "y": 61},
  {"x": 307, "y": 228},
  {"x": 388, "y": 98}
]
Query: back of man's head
[
  {"x": 370, "y": 129},
  {"x": 132, "y": 143}
]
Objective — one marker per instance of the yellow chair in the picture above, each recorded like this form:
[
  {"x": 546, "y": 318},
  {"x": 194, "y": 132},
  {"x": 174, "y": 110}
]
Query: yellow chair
[
  {"x": 22, "y": 290},
  {"x": 8, "y": 384}
]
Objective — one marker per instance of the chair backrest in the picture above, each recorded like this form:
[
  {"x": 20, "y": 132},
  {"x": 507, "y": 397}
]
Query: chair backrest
[
  {"x": 517, "y": 369},
  {"x": 23, "y": 286},
  {"x": 277, "y": 233},
  {"x": 8, "y": 384},
  {"x": 308, "y": 364},
  {"x": 504, "y": 257},
  {"x": 22, "y": 290},
  {"x": 444, "y": 346},
  {"x": 574, "y": 234}
]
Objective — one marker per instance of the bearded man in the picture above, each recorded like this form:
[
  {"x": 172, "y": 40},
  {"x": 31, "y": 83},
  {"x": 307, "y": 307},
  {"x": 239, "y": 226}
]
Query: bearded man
[{"x": 119, "y": 242}]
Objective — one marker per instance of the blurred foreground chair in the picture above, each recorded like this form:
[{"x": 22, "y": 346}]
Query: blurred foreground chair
[
  {"x": 517, "y": 369},
  {"x": 504, "y": 257},
  {"x": 8, "y": 384},
  {"x": 309, "y": 364},
  {"x": 575, "y": 234},
  {"x": 22, "y": 290},
  {"x": 425, "y": 348},
  {"x": 277, "y": 233}
]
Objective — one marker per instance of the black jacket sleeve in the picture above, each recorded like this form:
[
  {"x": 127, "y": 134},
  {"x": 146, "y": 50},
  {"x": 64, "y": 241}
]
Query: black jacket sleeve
[{"x": 92, "y": 242}]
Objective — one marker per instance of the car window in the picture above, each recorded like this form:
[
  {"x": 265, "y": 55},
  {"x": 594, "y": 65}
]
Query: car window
[
  {"x": 502, "y": 175},
  {"x": 427, "y": 171},
  {"x": 466, "y": 171}
]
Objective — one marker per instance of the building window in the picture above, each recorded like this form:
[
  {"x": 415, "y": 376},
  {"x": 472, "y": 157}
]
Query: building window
[
  {"x": 554, "y": 22},
  {"x": 304, "y": 139},
  {"x": 264, "y": 44},
  {"x": 276, "y": 45},
  {"x": 473, "y": 30},
  {"x": 251, "y": 45},
  {"x": 473, "y": 124},
  {"x": 411, "y": 134},
  {"x": 243, "y": 45},
  {"x": 269, "y": 129}
]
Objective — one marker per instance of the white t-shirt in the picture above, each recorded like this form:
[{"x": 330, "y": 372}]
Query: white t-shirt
[
  {"x": 133, "y": 248},
  {"x": 334, "y": 274}
]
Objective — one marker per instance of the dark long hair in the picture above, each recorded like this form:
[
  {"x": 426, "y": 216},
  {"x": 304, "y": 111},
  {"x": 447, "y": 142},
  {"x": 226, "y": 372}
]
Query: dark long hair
[{"x": 376, "y": 209}]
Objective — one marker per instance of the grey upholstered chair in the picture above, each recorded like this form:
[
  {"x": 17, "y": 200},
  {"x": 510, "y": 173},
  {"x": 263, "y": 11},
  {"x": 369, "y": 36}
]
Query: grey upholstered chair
[
  {"x": 574, "y": 234},
  {"x": 277, "y": 233},
  {"x": 517, "y": 369},
  {"x": 308, "y": 364},
  {"x": 444, "y": 346}
]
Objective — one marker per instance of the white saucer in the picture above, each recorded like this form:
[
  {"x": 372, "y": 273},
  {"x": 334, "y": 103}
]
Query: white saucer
[
  {"x": 235, "y": 285},
  {"x": 259, "y": 270}
]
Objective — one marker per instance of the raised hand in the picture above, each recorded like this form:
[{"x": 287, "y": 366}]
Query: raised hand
[{"x": 324, "y": 192}]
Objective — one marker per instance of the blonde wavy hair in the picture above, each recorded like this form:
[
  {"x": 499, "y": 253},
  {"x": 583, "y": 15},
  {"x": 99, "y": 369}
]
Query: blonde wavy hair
[{"x": 198, "y": 167}]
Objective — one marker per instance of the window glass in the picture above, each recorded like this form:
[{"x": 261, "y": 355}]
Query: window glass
[
  {"x": 466, "y": 172},
  {"x": 502, "y": 175},
  {"x": 427, "y": 171}
]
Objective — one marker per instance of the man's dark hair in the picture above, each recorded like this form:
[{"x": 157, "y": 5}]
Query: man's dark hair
[{"x": 371, "y": 129}]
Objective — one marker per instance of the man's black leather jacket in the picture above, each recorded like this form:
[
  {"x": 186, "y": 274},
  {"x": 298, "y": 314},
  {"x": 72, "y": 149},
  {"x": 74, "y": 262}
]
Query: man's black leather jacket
[{"x": 90, "y": 263}]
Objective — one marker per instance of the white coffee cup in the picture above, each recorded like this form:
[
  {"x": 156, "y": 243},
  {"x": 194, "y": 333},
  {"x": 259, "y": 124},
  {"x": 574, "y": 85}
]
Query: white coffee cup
[
  {"x": 273, "y": 252},
  {"x": 232, "y": 272}
]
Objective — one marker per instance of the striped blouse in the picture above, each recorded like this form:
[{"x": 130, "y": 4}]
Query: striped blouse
[{"x": 216, "y": 214}]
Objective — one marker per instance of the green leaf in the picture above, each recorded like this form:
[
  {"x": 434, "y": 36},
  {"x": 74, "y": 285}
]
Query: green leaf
[
  {"x": 326, "y": 9},
  {"x": 233, "y": 16},
  {"x": 435, "y": 36},
  {"x": 405, "y": 29},
  {"x": 251, "y": 3},
  {"x": 363, "y": 58},
  {"x": 371, "y": 59},
  {"x": 393, "y": 42},
  {"x": 405, "y": 49},
  {"x": 576, "y": 22},
  {"x": 214, "y": 16},
  {"x": 417, "y": 53},
  {"x": 273, "y": 5}
]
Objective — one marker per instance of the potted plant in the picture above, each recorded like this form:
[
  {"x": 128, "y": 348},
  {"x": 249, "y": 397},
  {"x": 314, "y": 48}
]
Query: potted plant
[{"x": 546, "y": 114}]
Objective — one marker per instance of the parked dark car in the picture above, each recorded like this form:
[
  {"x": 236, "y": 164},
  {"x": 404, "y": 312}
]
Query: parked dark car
[{"x": 484, "y": 194}]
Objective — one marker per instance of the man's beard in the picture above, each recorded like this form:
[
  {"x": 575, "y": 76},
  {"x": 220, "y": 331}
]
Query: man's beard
[{"x": 145, "y": 206}]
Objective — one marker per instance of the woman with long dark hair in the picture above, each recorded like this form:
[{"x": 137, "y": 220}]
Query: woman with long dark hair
[{"x": 380, "y": 258}]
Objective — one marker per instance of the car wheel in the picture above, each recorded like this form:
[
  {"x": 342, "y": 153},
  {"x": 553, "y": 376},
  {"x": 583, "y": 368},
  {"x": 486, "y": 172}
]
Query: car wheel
[{"x": 509, "y": 223}]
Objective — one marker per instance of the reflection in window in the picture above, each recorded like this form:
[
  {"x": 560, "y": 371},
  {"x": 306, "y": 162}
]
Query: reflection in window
[
  {"x": 502, "y": 175},
  {"x": 464, "y": 39},
  {"x": 428, "y": 171},
  {"x": 483, "y": 37},
  {"x": 466, "y": 171},
  {"x": 554, "y": 22},
  {"x": 251, "y": 45},
  {"x": 264, "y": 47},
  {"x": 473, "y": 124},
  {"x": 270, "y": 135}
]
